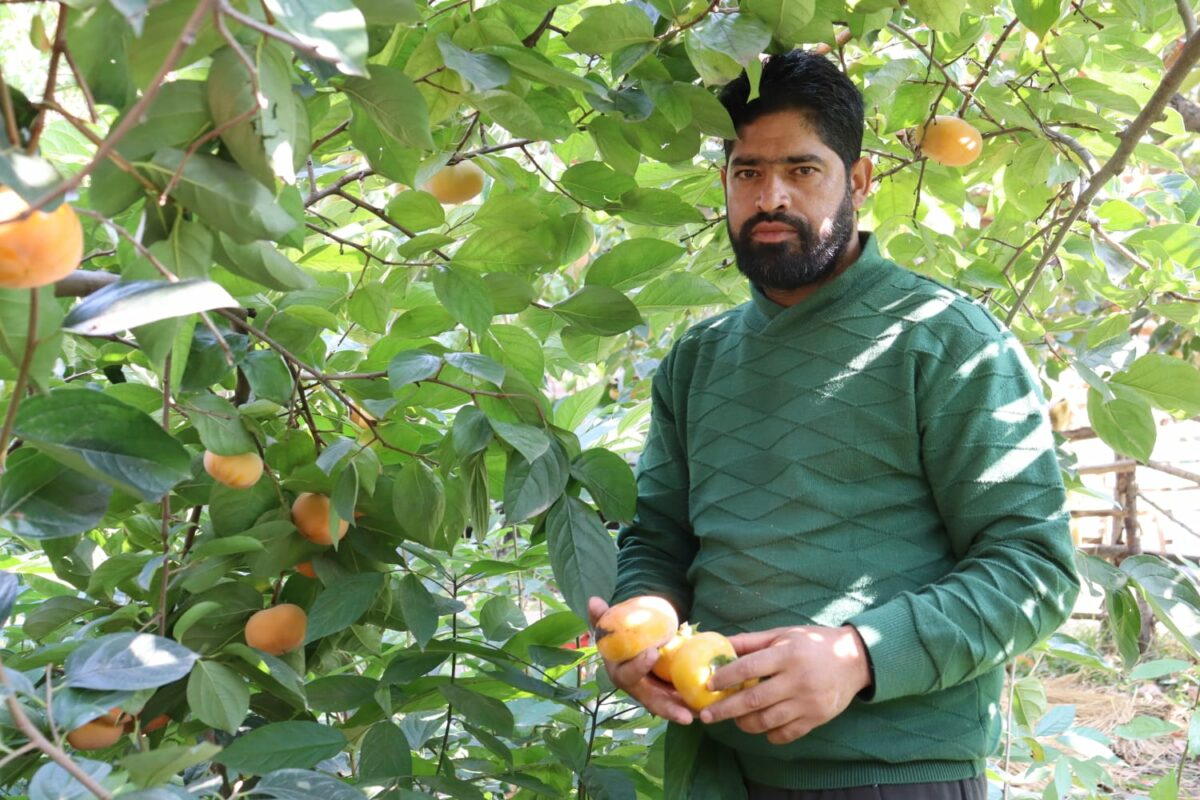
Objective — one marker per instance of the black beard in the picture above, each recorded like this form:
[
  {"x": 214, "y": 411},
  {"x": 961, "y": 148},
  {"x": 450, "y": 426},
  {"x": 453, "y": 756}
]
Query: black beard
[{"x": 792, "y": 264}]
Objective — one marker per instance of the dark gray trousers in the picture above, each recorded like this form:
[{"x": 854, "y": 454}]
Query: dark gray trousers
[{"x": 968, "y": 789}]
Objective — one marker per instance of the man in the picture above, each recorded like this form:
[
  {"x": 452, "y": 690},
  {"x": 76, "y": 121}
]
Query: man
[{"x": 852, "y": 476}]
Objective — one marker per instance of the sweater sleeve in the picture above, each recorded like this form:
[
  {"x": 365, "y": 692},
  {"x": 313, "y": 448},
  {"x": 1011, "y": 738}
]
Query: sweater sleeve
[
  {"x": 657, "y": 548},
  {"x": 988, "y": 454}
]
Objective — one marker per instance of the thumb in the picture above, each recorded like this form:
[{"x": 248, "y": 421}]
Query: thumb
[{"x": 596, "y": 608}]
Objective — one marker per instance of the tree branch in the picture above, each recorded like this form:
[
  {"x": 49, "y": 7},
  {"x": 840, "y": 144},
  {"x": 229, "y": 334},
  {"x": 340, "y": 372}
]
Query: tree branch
[{"x": 1130, "y": 137}]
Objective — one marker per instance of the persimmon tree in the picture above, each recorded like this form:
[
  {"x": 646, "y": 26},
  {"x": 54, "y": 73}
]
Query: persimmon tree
[{"x": 421, "y": 259}]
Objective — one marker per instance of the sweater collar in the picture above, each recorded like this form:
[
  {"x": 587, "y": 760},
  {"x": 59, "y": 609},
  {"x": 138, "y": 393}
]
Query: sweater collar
[{"x": 765, "y": 312}]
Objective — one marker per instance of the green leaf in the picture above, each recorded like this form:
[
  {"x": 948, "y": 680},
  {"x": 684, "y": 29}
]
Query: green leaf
[
  {"x": 482, "y": 70},
  {"x": 219, "y": 424},
  {"x": 52, "y": 782},
  {"x": 604, "y": 29},
  {"x": 632, "y": 263},
  {"x": 416, "y": 210},
  {"x": 391, "y": 101},
  {"x": 600, "y": 310},
  {"x": 14, "y": 328},
  {"x": 223, "y": 195},
  {"x": 512, "y": 346},
  {"x": 262, "y": 263},
  {"x": 1125, "y": 623},
  {"x": 656, "y": 207},
  {"x": 465, "y": 296},
  {"x": 531, "y": 488},
  {"x": 42, "y": 499},
  {"x": 385, "y": 754},
  {"x": 487, "y": 712},
  {"x": 1145, "y": 727},
  {"x": 303, "y": 784},
  {"x": 527, "y": 440},
  {"x": 1173, "y": 596},
  {"x": 412, "y": 366},
  {"x": 128, "y": 661},
  {"x": 1159, "y": 668},
  {"x": 572, "y": 410},
  {"x": 268, "y": 376},
  {"x": 941, "y": 15},
  {"x": 503, "y": 249},
  {"x": 1038, "y": 15},
  {"x": 218, "y": 696},
  {"x": 419, "y": 502},
  {"x": 128, "y": 304},
  {"x": 596, "y": 183},
  {"x": 340, "y": 606},
  {"x": 420, "y": 614},
  {"x": 1124, "y": 423},
  {"x": 610, "y": 482},
  {"x": 282, "y": 745},
  {"x": 119, "y": 445},
  {"x": 340, "y": 692},
  {"x": 1168, "y": 383},
  {"x": 499, "y": 618},
  {"x": 679, "y": 290},
  {"x": 607, "y": 783},
  {"x": 787, "y": 19},
  {"x": 335, "y": 29},
  {"x": 158, "y": 766},
  {"x": 582, "y": 553},
  {"x": 721, "y": 46}
]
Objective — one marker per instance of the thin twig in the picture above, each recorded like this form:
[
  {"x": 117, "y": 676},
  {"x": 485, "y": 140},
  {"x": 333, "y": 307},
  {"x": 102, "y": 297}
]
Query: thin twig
[
  {"x": 273, "y": 33},
  {"x": 378, "y": 212},
  {"x": 22, "y": 723},
  {"x": 342, "y": 181},
  {"x": 56, "y": 51},
  {"x": 82, "y": 83},
  {"x": 969, "y": 94},
  {"x": 133, "y": 117},
  {"x": 10, "y": 116},
  {"x": 166, "y": 273},
  {"x": 1130, "y": 137},
  {"x": 22, "y": 377}
]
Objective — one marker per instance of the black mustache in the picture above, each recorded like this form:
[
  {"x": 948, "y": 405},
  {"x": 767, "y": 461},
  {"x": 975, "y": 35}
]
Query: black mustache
[{"x": 799, "y": 225}]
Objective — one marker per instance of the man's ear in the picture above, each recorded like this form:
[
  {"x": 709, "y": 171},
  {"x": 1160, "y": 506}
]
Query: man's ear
[{"x": 860, "y": 181}]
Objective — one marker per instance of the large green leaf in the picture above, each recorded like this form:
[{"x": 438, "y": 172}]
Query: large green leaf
[
  {"x": 128, "y": 304},
  {"x": 390, "y": 100},
  {"x": 335, "y": 29},
  {"x": 531, "y": 488},
  {"x": 15, "y": 306},
  {"x": 600, "y": 310},
  {"x": 632, "y": 263},
  {"x": 223, "y": 195},
  {"x": 1124, "y": 423},
  {"x": 340, "y": 606},
  {"x": 610, "y": 482},
  {"x": 582, "y": 553},
  {"x": 419, "y": 502},
  {"x": 128, "y": 661},
  {"x": 282, "y": 745},
  {"x": 786, "y": 18},
  {"x": 261, "y": 263},
  {"x": 218, "y": 696},
  {"x": 604, "y": 29},
  {"x": 42, "y": 499},
  {"x": 1169, "y": 383},
  {"x": 119, "y": 445},
  {"x": 1038, "y": 15}
]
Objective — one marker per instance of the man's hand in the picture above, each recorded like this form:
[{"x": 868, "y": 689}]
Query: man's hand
[
  {"x": 808, "y": 675},
  {"x": 634, "y": 677}
]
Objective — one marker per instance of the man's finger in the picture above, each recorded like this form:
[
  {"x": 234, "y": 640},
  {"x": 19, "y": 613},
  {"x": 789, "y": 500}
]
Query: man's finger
[
  {"x": 744, "y": 643},
  {"x": 754, "y": 698},
  {"x": 759, "y": 664},
  {"x": 596, "y": 609},
  {"x": 627, "y": 673}
]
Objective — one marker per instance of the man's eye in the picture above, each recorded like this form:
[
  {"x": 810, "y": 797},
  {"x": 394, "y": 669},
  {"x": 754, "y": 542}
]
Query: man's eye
[{"x": 805, "y": 171}]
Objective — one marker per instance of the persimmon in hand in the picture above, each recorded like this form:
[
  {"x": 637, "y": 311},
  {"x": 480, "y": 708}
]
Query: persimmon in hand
[
  {"x": 694, "y": 662},
  {"x": 634, "y": 625}
]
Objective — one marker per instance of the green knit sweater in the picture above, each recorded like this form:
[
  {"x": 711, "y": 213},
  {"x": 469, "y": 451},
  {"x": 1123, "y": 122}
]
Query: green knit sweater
[{"x": 878, "y": 455}]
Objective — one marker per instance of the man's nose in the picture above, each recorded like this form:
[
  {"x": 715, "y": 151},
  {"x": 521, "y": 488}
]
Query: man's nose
[{"x": 773, "y": 195}]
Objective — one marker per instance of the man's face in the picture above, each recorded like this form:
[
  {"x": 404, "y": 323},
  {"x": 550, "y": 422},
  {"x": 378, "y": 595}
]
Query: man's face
[{"x": 791, "y": 202}]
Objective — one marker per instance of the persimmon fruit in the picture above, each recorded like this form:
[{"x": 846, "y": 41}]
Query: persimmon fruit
[
  {"x": 237, "y": 472},
  {"x": 40, "y": 249},
  {"x": 310, "y": 514},
  {"x": 949, "y": 140},
  {"x": 278, "y": 629},
  {"x": 456, "y": 183},
  {"x": 666, "y": 653},
  {"x": 694, "y": 662},
  {"x": 305, "y": 568},
  {"x": 102, "y": 732},
  {"x": 634, "y": 625}
]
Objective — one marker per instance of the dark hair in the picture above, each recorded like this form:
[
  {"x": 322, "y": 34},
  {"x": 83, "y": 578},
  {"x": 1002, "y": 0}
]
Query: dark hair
[{"x": 808, "y": 83}]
